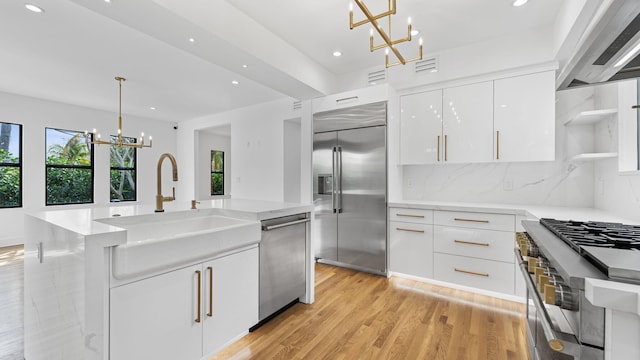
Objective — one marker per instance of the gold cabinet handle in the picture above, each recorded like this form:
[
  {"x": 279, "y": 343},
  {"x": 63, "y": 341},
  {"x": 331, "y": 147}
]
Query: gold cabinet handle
[
  {"x": 411, "y": 230},
  {"x": 438, "y": 147},
  {"x": 210, "y": 270},
  {"x": 198, "y": 319},
  {"x": 411, "y": 215},
  {"x": 471, "y": 243},
  {"x": 471, "y": 220},
  {"x": 445, "y": 148},
  {"x": 471, "y": 272},
  {"x": 497, "y": 145}
]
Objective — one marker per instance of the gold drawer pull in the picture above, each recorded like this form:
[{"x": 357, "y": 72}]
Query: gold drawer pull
[
  {"x": 411, "y": 230},
  {"x": 471, "y": 220},
  {"x": 210, "y": 270},
  {"x": 471, "y": 272},
  {"x": 471, "y": 243},
  {"x": 411, "y": 215}
]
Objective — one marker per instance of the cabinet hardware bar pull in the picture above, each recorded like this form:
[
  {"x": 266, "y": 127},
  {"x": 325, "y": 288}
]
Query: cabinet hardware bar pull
[
  {"x": 438, "y": 147},
  {"x": 411, "y": 215},
  {"x": 403, "y": 229},
  {"x": 210, "y": 270},
  {"x": 471, "y": 243},
  {"x": 445, "y": 148},
  {"x": 471, "y": 272},
  {"x": 497, "y": 145},
  {"x": 198, "y": 319},
  {"x": 635, "y": 107},
  {"x": 471, "y": 220}
]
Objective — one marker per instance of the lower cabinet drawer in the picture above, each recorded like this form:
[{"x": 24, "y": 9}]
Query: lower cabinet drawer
[
  {"x": 411, "y": 249},
  {"x": 411, "y": 215},
  {"x": 477, "y": 243},
  {"x": 478, "y": 273}
]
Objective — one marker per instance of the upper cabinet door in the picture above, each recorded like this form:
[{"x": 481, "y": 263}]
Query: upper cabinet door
[
  {"x": 524, "y": 118},
  {"x": 468, "y": 123},
  {"x": 421, "y": 128}
]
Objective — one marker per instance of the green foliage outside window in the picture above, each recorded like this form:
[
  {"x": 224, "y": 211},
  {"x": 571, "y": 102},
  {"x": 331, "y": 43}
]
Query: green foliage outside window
[
  {"x": 69, "y": 177},
  {"x": 123, "y": 171},
  {"x": 217, "y": 172},
  {"x": 10, "y": 165}
]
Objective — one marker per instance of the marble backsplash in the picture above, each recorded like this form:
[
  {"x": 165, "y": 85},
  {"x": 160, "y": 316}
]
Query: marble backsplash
[{"x": 558, "y": 183}]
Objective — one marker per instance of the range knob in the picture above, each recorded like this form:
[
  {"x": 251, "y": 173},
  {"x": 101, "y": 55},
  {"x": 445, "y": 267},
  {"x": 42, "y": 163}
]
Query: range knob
[{"x": 560, "y": 295}]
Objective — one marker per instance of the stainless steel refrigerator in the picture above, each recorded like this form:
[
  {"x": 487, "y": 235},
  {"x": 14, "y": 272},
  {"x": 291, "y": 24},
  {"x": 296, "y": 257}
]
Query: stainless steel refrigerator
[{"x": 350, "y": 187}]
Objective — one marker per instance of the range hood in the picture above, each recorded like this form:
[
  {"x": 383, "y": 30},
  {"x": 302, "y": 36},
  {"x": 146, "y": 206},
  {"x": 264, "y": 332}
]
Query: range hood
[{"x": 614, "y": 33}]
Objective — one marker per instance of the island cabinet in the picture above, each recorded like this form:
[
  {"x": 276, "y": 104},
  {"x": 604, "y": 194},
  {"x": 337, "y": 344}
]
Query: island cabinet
[
  {"x": 475, "y": 249},
  {"x": 188, "y": 313},
  {"x": 411, "y": 242}
]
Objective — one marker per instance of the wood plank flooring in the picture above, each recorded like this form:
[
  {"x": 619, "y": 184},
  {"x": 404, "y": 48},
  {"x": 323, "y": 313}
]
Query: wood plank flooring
[
  {"x": 11, "y": 302},
  {"x": 362, "y": 316}
]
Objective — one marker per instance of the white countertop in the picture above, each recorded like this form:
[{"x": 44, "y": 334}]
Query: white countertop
[
  {"x": 529, "y": 211},
  {"x": 81, "y": 220}
]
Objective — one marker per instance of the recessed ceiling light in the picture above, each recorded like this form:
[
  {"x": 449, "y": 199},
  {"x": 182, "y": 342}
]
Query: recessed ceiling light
[
  {"x": 107, "y": 1},
  {"x": 235, "y": 82},
  {"x": 245, "y": 66},
  {"x": 34, "y": 8},
  {"x": 151, "y": 107},
  {"x": 415, "y": 32},
  {"x": 519, "y": 2},
  {"x": 192, "y": 40},
  {"x": 337, "y": 53}
]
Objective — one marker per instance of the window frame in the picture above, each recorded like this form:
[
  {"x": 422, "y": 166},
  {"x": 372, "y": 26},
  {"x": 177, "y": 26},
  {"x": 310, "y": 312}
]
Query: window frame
[
  {"x": 18, "y": 165},
  {"x": 61, "y": 166},
  {"x": 134, "y": 169},
  {"x": 216, "y": 172}
]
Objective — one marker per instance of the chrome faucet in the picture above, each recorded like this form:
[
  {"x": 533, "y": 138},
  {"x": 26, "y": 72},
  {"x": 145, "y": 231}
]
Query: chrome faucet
[{"x": 159, "y": 197}]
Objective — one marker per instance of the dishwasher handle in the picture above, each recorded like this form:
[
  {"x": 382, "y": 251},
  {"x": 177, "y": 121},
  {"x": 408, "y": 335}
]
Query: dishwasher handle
[{"x": 278, "y": 226}]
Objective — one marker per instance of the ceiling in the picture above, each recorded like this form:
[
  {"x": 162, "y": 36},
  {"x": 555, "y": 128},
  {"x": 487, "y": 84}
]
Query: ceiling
[{"x": 72, "y": 52}]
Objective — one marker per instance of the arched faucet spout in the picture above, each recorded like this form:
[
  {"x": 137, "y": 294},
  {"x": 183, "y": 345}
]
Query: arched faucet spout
[{"x": 174, "y": 167}]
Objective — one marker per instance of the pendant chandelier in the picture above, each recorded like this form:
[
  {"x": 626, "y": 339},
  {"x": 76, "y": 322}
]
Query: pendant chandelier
[
  {"x": 120, "y": 139},
  {"x": 385, "y": 35}
]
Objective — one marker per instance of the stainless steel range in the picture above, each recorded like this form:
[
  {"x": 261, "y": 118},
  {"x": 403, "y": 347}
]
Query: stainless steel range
[{"x": 555, "y": 257}]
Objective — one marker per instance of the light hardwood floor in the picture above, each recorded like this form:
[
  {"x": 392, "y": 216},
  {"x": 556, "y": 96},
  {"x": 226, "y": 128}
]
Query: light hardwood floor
[
  {"x": 363, "y": 316},
  {"x": 11, "y": 302}
]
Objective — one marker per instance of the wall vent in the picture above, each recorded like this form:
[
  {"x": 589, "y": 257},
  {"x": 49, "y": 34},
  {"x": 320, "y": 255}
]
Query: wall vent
[
  {"x": 377, "y": 77},
  {"x": 297, "y": 105},
  {"x": 426, "y": 65}
]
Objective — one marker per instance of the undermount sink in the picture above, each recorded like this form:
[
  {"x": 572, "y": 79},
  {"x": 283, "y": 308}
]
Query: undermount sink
[{"x": 162, "y": 241}]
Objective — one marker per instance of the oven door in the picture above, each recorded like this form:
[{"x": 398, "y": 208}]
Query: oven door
[{"x": 545, "y": 340}]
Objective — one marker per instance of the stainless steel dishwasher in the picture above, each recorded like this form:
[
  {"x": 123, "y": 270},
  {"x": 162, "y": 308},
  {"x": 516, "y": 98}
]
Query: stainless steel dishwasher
[{"x": 282, "y": 264}]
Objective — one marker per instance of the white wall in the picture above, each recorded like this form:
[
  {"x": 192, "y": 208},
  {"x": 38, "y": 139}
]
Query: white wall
[
  {"x": 292, "y": 157},
  {"x": 206, "y": 143},
  {"x": 257, "y": 145},
  {"x": 35, "y": 115}
]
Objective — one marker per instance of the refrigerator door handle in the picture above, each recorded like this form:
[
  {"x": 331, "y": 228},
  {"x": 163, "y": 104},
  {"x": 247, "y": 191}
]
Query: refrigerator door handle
[
  {"x": 334, "y": 155},
  {"x": 339, "y": 179}
]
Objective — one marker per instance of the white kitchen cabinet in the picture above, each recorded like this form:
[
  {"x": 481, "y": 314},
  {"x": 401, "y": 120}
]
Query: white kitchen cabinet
[
  {"x": 475, "y": 249},
  {"x": 524, "y": 118},
  {"x": 421, "y": 128},
  {"x": 162, "y": 317},
  {"x": 411, "y": 242},
  {"x": 468, "y": 123}
]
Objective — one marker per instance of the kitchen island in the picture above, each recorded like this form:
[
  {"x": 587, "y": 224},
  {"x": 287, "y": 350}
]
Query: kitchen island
[{"x": 71, "y": 287}]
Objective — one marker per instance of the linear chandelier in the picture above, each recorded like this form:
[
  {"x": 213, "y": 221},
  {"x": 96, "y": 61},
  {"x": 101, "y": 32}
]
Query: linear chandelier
[
  {"x": 386, "y": 35},
  {"x": 119, "y": 141}
]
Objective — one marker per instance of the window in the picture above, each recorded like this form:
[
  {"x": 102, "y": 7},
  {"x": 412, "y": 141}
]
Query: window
[
  {"x": 123, "y": 171},
  {"x": 217, "y": 172},
  {"x": 10, "y": 165},
  {"x": 69, "y": 167}
]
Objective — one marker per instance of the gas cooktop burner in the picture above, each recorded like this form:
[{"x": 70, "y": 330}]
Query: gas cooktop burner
[{"x": 598, "y": 234}]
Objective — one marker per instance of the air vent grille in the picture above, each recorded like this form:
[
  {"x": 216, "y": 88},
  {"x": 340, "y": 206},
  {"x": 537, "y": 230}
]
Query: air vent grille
[
  {"x": 627, "y": 34},
  {"x": 297, "y": 105},
  {"x": 426, "y": 65},
  {"x": 376, "y": 77}
]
